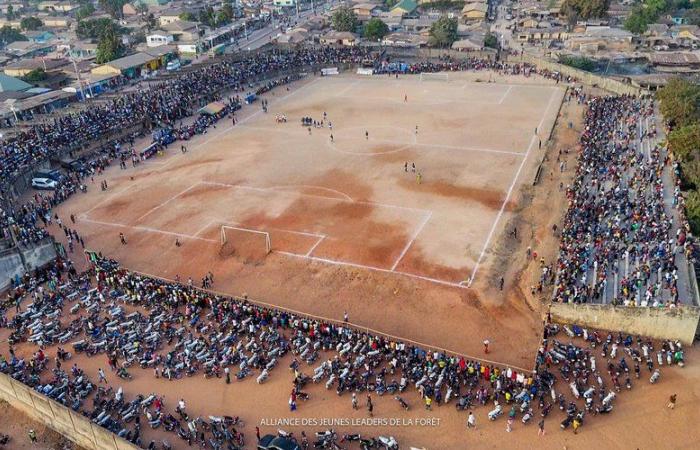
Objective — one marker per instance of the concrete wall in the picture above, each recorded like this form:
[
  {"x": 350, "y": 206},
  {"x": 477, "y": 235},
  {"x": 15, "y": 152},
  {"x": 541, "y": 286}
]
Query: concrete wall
[
  {"x": 587, "y": 78},
  {"x": 70, "y": 424},
  {"x": 667, "y": 323},
  {"x": 10, "y": 266},
  {"x": 39, "y": 255}
]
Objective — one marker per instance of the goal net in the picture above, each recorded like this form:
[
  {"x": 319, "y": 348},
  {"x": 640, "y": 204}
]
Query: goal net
[
  {"x": 438, "y": 76},
  {"x": 244, "y": 243}
]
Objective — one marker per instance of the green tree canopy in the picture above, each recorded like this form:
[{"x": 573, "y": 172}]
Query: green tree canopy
[
  {"x": 585, "y": 9},
  {"x": 113, "y": 7},
  {"x": 94, "y": 28},
  {"x": 30, "y": 23},
  {"x": 9, "y": 34},
  {"x": 344, "y": 19},
  {"x": 680, "y": 102},
  {"x": 375, "y": 29},
  {"x": 443, "y": 32},
  {"x": 10, "y": 14},
  {"x": 35, "y": 75},
  {"x": 490, "y": 40},
  {"x": 84, "y": 11},
  {"x": 109, "y": 47},
  {"x": 188, "y": 16}
]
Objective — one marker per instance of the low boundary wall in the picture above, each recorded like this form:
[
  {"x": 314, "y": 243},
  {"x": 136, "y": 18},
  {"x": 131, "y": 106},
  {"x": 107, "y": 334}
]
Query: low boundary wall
[
  {"x": 587, "y": 78},
  {"x": 679, "y": 323},
  {"x": 70, "y": 424}
]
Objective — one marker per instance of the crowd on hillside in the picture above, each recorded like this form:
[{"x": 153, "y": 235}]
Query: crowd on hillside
[{"x": 619, "y": 240}]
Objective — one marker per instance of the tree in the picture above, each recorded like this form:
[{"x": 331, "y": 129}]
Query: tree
[
  {"x": 490, "y": 40},
  {"x": 109, "y": 47},
  {"x": 10, "y": 12},
  {"x": 692, "y": 210},
  {"x": 141, "y": 8},
  {"x": 376, "y": 29},
  {"x": 35, "y": 75},
  {"x": 344, "y": 19},
  {"x": 685, "y": 142},
  {"x": 113, "y": 7},
  {"x": 207, "y": 16},
  {"x": 9, "y": 34},
  {"x": 30, "y": 23},
  {"x": 443, "y": 32},
  {"x": 227, "y": 9},
  {"x": 585, "y": 9},
  {"x": 188, "y": 17},
  {"x": 85, "y": 11},
  {"x": 578, "y": 62},
  {"x": 680, "y": 102},
  {"x": 94, "y": 28}
]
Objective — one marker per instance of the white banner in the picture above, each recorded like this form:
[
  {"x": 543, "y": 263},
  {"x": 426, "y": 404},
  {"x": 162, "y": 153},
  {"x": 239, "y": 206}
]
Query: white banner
[
  {"x": 363, "y": 71},
  {"x": 329, "y": 71}
]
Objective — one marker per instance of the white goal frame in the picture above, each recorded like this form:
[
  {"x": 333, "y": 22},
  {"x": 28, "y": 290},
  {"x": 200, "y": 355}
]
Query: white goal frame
[
  {"x": 434, "y": 76},
  {"x": 268, "y": 242}
]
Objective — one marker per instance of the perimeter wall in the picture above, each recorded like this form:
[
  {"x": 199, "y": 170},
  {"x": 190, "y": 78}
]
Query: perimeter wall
[
  {"x": 70, "y": 424},
  {"x": 679, "y": 323}
]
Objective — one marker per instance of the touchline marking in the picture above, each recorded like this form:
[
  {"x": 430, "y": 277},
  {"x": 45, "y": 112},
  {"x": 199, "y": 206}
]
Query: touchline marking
[
  {"x": 372, "y": 268},
  {"x": 164, "y": 203},
  {"x": 500, "y": 102},
  {"x": 109, "y": 197},
  {"x": 148, "y": 229},
  {"x": 413, "y": 238},
  {"x": 510, "y": 191}
]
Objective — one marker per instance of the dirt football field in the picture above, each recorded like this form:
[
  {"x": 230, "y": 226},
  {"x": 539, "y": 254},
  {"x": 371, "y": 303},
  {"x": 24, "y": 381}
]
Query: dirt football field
[{"x": 392, "y": 219}]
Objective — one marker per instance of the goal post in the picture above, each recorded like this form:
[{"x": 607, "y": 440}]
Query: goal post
[
  {"x": 230, "y": 234},
  {"x": 434, "y": 76}
]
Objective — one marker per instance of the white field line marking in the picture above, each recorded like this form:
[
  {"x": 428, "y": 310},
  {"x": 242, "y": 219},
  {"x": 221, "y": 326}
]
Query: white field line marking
[
  {"x": 500, "y": 102},
  {"x": 338, "y": 322},
  {"x": 413, "y": 238},
  {"x": 510, "y": 191},
  {"x": 259, "y": 189},
  {"x": 347, "y": 88},
  {"x": 213, "y": 136},
  {"x": 372, "y": 268},
  {"x": 311, "y": 250},
  {"x": 201, "y": 230},
  {"x": 148, "y": 229},
  {"x": 164, "y": 203},
  {"x": 108, "y": 198},
  {"x": 282, "y": 186}
]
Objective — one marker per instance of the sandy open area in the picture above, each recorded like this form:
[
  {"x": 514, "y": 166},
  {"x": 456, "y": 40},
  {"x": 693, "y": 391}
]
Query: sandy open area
[{"x": 350, "y": 229}]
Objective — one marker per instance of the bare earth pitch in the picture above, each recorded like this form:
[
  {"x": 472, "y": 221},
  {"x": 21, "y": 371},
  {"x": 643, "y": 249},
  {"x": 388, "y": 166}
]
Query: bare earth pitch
[{"x": 349, "y": 226}]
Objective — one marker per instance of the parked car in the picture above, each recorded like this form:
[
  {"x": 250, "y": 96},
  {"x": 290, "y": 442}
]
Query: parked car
[
  {"x": 44, "y": 183},
  {"x": 272, "y": 442},
  {"x": 173, "y": 65},
  {"x": 53, "y": 174}
]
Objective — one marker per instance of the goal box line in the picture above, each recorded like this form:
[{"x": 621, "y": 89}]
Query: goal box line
[
  {"x": 434, "y": 76},
  {"x": 224, "y": 238}
]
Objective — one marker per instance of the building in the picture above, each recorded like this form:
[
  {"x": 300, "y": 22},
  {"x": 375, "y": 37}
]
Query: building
[
  {"x": 365, "y": 11},
  {"x": 339, "y": 38},
  {"x": 405, "y": 40},
  {"x": 132, "y": 66},
  {"x": 57, "y": 6},
  {"x": 12, "y": 84},
  {"x": 183, "y": 30},
  {"x": 475, "y": 11},
  {"x": 28, "y": 49},
  {"x": 24, "y": 66},
  {"x": 404, "y": 8},
  {"x": 82, "y": 50},
  {"x": 284, "y": 3},
  {"x": 676, "y": 62},
  {"x": 158, "y": 38}
]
